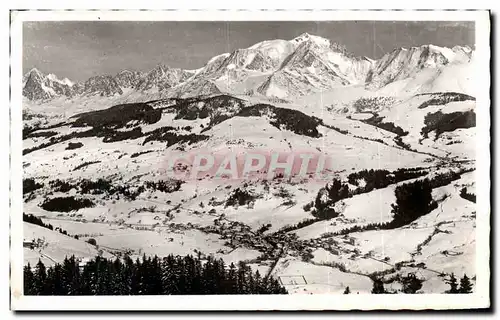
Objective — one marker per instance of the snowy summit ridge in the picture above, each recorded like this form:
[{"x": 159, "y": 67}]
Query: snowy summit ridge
[{"x": 274, "y": 68}]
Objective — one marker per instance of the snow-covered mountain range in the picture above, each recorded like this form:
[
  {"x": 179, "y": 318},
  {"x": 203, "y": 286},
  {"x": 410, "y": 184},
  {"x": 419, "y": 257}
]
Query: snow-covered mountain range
[{"x": 273, "y": 68}]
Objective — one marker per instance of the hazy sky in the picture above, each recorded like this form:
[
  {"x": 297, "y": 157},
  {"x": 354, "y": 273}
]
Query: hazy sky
[{"x": 79, "y": 50}]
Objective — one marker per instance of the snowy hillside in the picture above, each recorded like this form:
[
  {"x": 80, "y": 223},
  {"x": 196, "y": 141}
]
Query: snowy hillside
[{"x": 52, "y": 247}]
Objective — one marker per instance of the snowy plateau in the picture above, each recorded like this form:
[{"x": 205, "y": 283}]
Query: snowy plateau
[{"x": 94, "y": 154}]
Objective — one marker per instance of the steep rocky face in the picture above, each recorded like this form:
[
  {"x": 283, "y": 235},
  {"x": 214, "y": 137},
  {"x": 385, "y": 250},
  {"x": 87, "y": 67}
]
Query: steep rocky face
[
  {"x": 60, "y": 87},
  {"x": 240, "y": 64},
  {"x": 403, "y": 63},
  {"x": 78, "y": 88},
  {"x": 260, "y": 63},
  {"x": 35, "y": 88},
  {"x": 38, "y": 86},
  {"x": 128, "y": 79},
  {"x": 283, "y": 84},
  {"x": 315, "y": 65},
  {"x": 250, "y": 59},
  {"x": 262, "y": 58},
  {"x": 102, "y": 85},
  {"x": 313, "y": 55},
  {"x": 162, "y": 78}
]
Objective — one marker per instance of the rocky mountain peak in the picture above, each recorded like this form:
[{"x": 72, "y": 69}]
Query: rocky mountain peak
[
  {"x": 127, "y": 78},
  {"x": 103, "y": 85},
  {"x": 401, "y": 63},
  {"x": 300, "y": 66},
  {"x": 38, "y": 86}
]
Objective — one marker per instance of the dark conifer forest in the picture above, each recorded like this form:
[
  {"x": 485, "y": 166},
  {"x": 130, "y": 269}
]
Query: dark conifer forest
[{"x": 172, "y": 275}]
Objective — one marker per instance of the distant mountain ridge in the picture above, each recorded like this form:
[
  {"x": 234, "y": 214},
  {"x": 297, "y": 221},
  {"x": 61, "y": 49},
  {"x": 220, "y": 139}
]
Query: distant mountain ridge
[{"x": 274, "y": 68}]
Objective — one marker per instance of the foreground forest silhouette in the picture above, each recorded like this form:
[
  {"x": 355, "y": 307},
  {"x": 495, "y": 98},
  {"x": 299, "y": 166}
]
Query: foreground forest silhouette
[
  {"x": 152, "y": 276},
  {"x": 176, "y": 275}
]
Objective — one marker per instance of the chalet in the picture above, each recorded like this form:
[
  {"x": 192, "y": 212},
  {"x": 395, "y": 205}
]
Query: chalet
[
  {"x": 350, "y": 240},
  {"x": 29, "y": 244},
  {"x": 335, "y": 251}
]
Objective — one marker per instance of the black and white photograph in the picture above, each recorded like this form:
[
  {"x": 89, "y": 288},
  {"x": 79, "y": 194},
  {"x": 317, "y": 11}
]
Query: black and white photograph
[{"x": 291, "y": 159}]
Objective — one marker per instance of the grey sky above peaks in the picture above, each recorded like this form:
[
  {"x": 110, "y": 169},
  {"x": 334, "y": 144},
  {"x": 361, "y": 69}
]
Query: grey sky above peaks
[{"x": 79, "y": 50}]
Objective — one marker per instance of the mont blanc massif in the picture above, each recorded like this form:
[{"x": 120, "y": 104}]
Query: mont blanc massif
[{"x": 396, "y": 213}]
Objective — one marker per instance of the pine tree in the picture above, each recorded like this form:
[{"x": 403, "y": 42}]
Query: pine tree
[
  {"x": 242, "y": 277},
  {"x": 193, "y": 285},
  {"x": 128, "y": 275},
  {"x": 232, "y": 280},
  {"x": 145, "y": 276},
  {"x": 40, "y": 278},
  {"x": 137, "y": 287},
  {"x": 453, "y": 284},
  {"x": 49, "y": 283},
  {"x": 411, "y": 284},
  {"x": 413, "y": 200},
  {"x": 378, "y": 287},
  {"x": 156, "y": 286},
  {"x": 29, "y": 281},
  {"x": 465, "y": 285},
  {"x": 258, "y": 282},
  {"x": 251, "y": 283},
  {"x": 347, "y": 290},
  {"x": 102, "y": 276},
  {"x": 215, "y": 275},
  {"x": 71, "y": 276},
  {"x": 181, "y": 276},
  {"x": 59, "y": 287},
  {"x": 168, "y": 276},
  {"x": 86, "y": 279},
  {"x": 119, "y": 282},
  {"x": 337, "y": 191},
  {"x": 135, "y": 278}
]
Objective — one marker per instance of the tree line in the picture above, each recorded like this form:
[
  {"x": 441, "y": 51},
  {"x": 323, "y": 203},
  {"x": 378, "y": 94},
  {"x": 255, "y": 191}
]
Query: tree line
[
  {"x": 30, "y": 185},
  {"x": 172, "y": 275},
  {"x": 373, "y": 179},
  {"x": 411, "y": 284},
  {"x": 413, "y": 200},
  {"x": 467, "y": 196},
  {"x": 29, "y": 218}
]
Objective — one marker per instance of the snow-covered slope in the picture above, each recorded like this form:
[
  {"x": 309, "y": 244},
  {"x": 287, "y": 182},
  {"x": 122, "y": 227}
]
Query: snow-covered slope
[
  {"x": 417, "y": 64},
  {"x": 315, "y": 65},
  {"x": 52, "y": 247}
]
